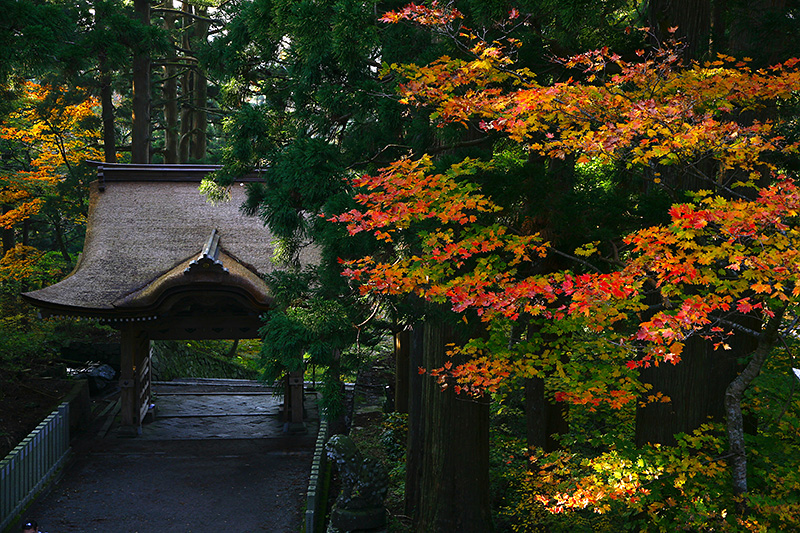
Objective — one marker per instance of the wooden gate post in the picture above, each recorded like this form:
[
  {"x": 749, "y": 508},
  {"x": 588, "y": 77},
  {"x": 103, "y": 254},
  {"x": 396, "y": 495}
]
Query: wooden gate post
[
  {"x": 134, "y": 373},
  {"x": 293, "y": 402}
]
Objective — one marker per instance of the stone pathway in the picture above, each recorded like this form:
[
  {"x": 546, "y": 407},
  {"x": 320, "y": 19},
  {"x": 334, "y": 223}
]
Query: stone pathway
[
  {"x": 215, "y": 459},
  {"x": 199, "y": 410}
]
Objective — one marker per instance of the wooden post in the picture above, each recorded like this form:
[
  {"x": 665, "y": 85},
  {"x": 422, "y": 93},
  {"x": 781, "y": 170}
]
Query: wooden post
[
  {"x": 134, "y": 353},
  {"x": 140, "y": 130},
  {"x": 127, "y": 389},
  {"x": 294, "y": 403}
]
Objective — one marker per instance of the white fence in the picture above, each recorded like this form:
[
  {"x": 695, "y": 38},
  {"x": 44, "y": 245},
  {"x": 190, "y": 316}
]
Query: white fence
[{"x": 32, "y": 463}]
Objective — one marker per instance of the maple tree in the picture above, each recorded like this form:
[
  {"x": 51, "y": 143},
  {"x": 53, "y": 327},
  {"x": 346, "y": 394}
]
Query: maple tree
[
  {"x": 729, "y": 256},
  {"x": 49, "y": 135}
]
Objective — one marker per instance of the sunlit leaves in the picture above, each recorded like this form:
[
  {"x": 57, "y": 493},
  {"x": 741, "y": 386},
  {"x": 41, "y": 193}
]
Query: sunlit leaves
[
  {"x": 716, "y": 257},
  {"x": 653, "y": 111},
  {"x": 422, "y": 14},
  {"x": 55, "y": 135},
  {"x": 44, "y": 139}
]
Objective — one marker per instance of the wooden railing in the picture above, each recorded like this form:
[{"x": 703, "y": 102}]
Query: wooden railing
[{"x": 30, "y": 465}]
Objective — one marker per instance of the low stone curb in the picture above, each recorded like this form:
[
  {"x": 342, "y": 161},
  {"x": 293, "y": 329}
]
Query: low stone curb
[{"x": 314, "y": 494}]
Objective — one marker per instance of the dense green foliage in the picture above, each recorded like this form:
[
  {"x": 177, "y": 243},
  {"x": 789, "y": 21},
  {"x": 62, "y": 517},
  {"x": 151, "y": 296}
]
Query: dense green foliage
[{"x": 200, "y": 359}]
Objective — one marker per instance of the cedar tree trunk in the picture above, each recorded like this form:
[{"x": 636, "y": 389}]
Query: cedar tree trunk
[
  {"x": 454, "y": 486},
  {"x": 199, "y": 94},
  {"x": 414, "y": 446},
  {"x": 692, "y": 19},
  {"x": 402, "y": 345},
  {"x": 140, "y": 133},
  {"x": 544, "y": 420},
  {"x": 170, "y": 91}
]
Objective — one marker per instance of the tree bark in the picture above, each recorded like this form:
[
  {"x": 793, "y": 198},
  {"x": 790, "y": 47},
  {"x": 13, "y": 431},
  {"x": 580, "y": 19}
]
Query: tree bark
[
  {"x": 26, "y": 230},
  {"x": 107, "y": 112},
  {"x": 170, "y": 92},
  {"x": 696, "y": 387},
  {"x": 544, "y": 420},
  {"x": 402, "y": 341},
  {"x": 140, "y": 132},
  {"x": 692, "y": 18},
  {"x": 753, "y": 32},
  {"x": 199, "y": 94},
  {"x": 184, "y": 144},
  {"x": 58, "y": 237},
  {"x": 187, "y": 88},
  {"x": 106, "y": 104},
  {"x": 454, "y": 488},
  {"x": 232, "y": 350},
  {"x": 414, "y": 444},
  {"x": 733, "y": 407}
]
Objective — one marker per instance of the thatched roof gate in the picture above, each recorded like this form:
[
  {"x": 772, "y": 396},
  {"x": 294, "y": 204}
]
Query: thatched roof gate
[{"x": 161, "y": 262}]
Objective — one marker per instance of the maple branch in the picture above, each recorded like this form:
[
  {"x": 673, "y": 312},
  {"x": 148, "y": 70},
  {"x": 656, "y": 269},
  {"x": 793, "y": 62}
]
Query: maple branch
[
  {"x": 462, "y": 144},
  {"x": 60, "y": 143},
  {"x": 373, "y": 158},
  {"x": 371, "y": 316},
  {"x": 739, "y": 327},
  {"x": 574, "y": 258}
]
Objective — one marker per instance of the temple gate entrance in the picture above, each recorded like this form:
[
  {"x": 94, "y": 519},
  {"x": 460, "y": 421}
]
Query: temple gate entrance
[{"x": 160, "y": 262}]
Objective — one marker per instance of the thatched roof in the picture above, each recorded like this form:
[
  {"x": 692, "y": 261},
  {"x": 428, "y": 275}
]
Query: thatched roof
[{"x": 151, "y": 235}]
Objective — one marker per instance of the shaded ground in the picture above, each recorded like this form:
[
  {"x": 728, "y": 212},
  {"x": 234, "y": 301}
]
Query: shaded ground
[
  {"x": 26, "y": 398},
  {"x": 185, "y": 473}
]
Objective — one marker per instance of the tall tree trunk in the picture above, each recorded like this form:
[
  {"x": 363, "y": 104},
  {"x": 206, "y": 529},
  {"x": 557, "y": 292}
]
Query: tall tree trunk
[
  {"x": 185, "y": 141},
  {"x": 696, "y": 389},
  {"x": 402, "y": 345},
  {"x": 199, "y": 115},
  {"x": 454, "y": 487},
  {"x": 695, "y": 386},
  {"x": 753, "y": 32},
  {"x": 107, "y": 113},
  {"x": 170, "y": 92},
  {"x": 199, "y": 94},
  {"x": 414, "y": 445},
  {"x": 6, "y": 299},
  {"x": 232, "y": 350},
  {"x": 26, "y": 231},
  {"x": 106, "y": 102},
  {"x": 337, "y": 422},
  {"x": 140, "y": 133},
  {"x": 58, "y": 237},
  {"x": 187, "y": 88},
  {"x": 691, "y": 17},
  {"x": 544, "y": 420}
]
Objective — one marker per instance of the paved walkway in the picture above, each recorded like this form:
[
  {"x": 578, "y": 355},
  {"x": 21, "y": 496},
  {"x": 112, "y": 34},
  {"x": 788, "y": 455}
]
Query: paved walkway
[{"x": 215, "y": 460}]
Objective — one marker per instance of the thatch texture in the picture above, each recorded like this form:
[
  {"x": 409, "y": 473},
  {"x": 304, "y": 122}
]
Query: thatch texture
[{"x": 145, "y": 226}]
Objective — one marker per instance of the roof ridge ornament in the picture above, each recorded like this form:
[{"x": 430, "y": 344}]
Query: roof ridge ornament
[{"x": 208, "y": 260}]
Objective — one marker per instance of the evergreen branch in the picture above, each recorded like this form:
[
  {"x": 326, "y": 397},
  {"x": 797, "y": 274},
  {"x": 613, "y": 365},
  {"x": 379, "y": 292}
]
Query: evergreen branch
[{"x": 181, "y": 13}]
